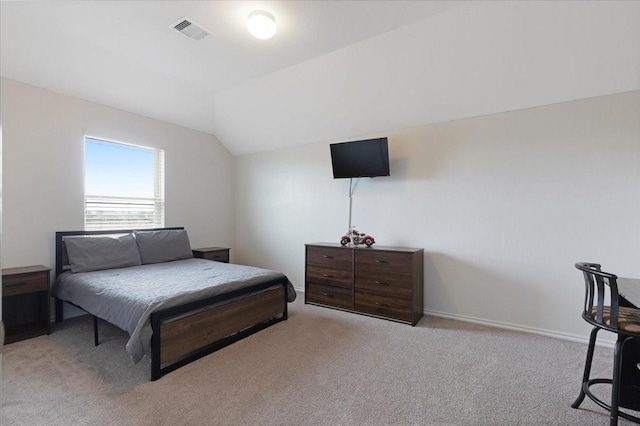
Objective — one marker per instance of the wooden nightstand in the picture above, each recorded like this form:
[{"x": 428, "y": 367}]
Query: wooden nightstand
[
  {"x": 219, "y": 254},
  {"x": 25, "y": 302}
]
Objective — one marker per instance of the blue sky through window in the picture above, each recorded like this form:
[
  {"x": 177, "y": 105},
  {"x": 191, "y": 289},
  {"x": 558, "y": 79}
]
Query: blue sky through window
[{"x": 115, "y": 169}]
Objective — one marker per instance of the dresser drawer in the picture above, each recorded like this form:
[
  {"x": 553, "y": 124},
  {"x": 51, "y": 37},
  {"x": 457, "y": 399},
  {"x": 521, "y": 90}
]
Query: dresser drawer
[
  {"x": 330, "y": 257},
  {"x": 25, "y": 283},
  {"x": 333, "y": 277},
  {"x": 327, "y": 295},
  {"x": 384, "y": 306},
  {"x": 385, "y": 284},
  {"x": 383, "y": 262}
]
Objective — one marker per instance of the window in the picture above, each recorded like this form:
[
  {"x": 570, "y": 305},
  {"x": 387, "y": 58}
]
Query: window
[{"x": 123, "y": 186}]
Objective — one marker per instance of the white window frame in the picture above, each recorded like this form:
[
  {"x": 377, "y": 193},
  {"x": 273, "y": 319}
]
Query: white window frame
[{"x": 109, "y": 212}]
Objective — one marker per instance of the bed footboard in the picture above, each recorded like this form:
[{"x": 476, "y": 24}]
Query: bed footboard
[{"x": 188, "y": 332}]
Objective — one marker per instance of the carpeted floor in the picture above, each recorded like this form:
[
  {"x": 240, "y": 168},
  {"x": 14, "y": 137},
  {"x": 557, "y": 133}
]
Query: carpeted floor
[{"x": 321, "y": 367}]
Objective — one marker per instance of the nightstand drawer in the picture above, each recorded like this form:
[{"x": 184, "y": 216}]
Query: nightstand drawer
[
  {"x": 25, "y": 283},
  {"x": 218, "y": 256}
]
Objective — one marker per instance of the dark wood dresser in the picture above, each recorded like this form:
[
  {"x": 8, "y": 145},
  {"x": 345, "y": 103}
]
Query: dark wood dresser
[
  {"x": 385, "y": 282},
  {"x": 25, "y": 302}
]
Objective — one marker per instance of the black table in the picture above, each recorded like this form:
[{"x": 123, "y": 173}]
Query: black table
[{"x": 629, "y": 289}]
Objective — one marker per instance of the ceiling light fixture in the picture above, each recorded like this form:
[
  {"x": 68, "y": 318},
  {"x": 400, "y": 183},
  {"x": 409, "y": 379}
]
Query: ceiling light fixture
[{"x": 261, "y": 24}]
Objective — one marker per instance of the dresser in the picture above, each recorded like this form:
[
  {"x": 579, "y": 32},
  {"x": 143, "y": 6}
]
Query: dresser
[
  {"x": 385, "y": 282},
  {"x": 25, "y": 302}
]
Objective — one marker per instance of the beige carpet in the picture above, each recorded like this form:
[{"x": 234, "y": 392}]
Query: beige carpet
[{"x": 321, "y": 367}]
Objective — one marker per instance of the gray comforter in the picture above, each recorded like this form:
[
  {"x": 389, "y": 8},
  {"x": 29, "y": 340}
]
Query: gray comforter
[{"x": 126, "y": 297}]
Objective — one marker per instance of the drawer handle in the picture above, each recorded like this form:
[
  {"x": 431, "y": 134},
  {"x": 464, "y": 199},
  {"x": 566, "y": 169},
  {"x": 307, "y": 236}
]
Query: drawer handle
[
  {"x": 380, "y": 304},
  {"x": 381, "y": 261},
  {"x": 326, "y": 294},
  {"x": 381, "y": 283},
  {"x": 14, "y": 285},
  {"x": 328, "y": 276},
  {"x": 326, "y": 256}
]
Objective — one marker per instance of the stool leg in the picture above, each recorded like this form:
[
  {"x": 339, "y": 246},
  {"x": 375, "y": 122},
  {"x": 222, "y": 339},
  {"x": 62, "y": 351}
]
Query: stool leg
[
  {"x": 587, "y": 367},
  {"x": 615, "y": 385}
]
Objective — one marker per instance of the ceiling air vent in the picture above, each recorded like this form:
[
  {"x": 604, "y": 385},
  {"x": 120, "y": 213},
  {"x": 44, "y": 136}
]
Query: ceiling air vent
[{"x": 190, "y": 29}]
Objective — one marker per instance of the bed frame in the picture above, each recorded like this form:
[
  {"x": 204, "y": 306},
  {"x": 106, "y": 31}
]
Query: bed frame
[{"x": 185, "y": 333}]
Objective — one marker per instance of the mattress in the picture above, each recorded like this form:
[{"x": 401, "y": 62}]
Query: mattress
[{"x": 126, "y": 297}]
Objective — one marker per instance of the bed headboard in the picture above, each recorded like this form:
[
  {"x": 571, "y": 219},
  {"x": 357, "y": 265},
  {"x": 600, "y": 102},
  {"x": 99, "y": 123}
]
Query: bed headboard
[{"x": 62, "y": 260}]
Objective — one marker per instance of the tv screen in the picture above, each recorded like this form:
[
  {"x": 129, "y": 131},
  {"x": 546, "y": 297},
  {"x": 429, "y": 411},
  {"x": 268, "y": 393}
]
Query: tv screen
[{"x": 366, "y": 158}]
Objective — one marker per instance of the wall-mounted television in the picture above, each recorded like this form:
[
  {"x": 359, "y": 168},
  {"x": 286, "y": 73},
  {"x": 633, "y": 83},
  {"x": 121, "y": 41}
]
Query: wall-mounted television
[{"x": 365, "y": 158}]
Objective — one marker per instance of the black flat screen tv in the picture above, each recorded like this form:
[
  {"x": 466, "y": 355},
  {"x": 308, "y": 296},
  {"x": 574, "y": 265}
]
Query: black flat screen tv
[{"x": 365, "y": 158}]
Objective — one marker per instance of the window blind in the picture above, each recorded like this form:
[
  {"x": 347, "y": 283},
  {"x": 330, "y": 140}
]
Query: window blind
[{"x": 124, "y": 186}]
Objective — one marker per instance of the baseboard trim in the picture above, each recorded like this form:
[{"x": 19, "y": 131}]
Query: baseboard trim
[
  {"x": 514, "y": 327},
  {"x": 569, "y": 337}
]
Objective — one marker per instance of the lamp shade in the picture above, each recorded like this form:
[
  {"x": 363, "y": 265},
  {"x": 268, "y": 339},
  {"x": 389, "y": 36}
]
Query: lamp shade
[{"x": 261, "y": 24}]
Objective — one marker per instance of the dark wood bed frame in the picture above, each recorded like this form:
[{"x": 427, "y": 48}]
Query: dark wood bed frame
[{"x": 187, "y": 332}]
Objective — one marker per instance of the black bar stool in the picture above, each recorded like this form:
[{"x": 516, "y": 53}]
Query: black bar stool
[{"x": 621, "y": 320}]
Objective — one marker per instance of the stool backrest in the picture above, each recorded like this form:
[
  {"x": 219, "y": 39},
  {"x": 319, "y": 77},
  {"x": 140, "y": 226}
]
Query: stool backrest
[{"x": 597, "y": 282}]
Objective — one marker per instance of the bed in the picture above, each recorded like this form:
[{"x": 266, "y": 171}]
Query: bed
[{"x": 176, "y": 308}]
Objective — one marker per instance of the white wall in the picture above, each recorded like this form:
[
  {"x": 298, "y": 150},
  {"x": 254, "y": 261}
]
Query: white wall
[
  {"x": 503, "y": 204},
  {"x": 477, "y": 59},
  {"x": 43, "y": 171},
  {"x": 1, "y": 322}
]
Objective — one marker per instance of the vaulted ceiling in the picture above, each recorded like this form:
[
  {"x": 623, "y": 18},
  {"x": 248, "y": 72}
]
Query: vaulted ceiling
[{"x": 335, "y": 70}]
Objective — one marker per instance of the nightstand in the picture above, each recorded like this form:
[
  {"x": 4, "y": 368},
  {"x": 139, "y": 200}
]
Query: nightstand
[
  {"x": 25, "y": 302},
  {"x": 219, "y": 254}
]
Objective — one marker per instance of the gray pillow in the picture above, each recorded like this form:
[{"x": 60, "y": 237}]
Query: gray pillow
[
  {"x": 163, "y": 246},
  {"x": 88, "y": 254}
]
